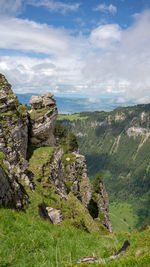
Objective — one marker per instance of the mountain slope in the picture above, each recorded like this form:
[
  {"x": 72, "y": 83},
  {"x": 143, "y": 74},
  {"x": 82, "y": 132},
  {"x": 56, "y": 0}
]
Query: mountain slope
[{"x": 117, "y": 144}]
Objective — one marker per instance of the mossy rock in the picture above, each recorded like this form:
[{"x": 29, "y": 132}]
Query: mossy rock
[
  {"x": 79, "y": 215},
  {"x": 68, "y": 159},
  {"x": 35, "y": 114},
  {"x": 38, "y": 159},
  {"x": 2, "y": 165},
  {"x": 68, "y": 185}
]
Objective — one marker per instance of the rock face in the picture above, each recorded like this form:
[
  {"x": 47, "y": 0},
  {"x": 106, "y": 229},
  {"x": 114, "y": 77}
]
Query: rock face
[
  {"x": 14, "y": 132},
  {"x": 42, "y": 120},
  {"x": 77, "y": 181},
  {"x": 11, "y": 194},
  {"x": 57, "y": 174},
  {"x": 103, "y": 205},
  {"x": 64, "y": 175},
  {"x": 75, "y": 177}
]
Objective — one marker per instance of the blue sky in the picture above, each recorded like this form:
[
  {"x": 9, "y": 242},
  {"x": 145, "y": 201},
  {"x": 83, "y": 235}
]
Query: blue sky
[{"x": 77, "y": 47}]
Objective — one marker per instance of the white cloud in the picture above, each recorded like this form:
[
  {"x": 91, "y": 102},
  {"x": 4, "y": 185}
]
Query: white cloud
[
  {"x": 104, "y": 8},
  {"x": 106, "y": 36},
  {"x": 110, "y": 60},
  {"x": 30, "y": 36},
  {"x": 126, "y": 68},
  {"x": 10, "y": 7},
  {"x": 55, "y": 6}
]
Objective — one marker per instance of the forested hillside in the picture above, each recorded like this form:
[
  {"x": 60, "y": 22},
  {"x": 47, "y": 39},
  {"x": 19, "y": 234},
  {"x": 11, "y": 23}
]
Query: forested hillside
[{"x": 117, "y": 145}]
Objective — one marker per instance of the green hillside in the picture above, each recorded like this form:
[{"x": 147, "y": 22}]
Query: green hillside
[
  {"x": 117, "y": 145},
  {"x": 26, "y": 240}
]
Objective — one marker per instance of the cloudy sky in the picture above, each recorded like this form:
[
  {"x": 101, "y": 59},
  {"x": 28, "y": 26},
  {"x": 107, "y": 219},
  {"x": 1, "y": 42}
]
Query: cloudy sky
[{"x": 77, "y": 47}]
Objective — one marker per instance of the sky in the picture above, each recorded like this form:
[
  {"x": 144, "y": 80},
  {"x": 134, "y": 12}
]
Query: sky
[{"x": 91, "y": 48}]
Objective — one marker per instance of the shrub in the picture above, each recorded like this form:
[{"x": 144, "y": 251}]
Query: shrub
[
  {"x": 60, "y": 130},
  {"x": 96, "y": 183},
  {"x": 72, "y": 143}
]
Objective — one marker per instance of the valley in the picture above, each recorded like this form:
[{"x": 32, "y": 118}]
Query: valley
[{"x": 117, "y": 144}]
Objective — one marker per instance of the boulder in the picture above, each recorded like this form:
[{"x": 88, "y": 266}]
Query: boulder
[
  {"x": 35, "y": 102},
  {"x": 54, "y": 215}
]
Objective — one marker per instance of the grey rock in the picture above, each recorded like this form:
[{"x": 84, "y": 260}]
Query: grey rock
[
  {"x": 103, "y": 205},
  {"x": 35, "y": 102},
  {"x": 57, "y": 172},
  {"x": 42, "y": 126},
  {"x": 14, "y": 132},
  {"x": 11, "y": 194},
  {"x": 54, "y": 215},
  {"x": 77, "y": 174}
]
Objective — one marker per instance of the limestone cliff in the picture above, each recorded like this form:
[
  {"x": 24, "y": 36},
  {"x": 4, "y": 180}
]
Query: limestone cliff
[
  {"x": 13, "y": 143},
  {"x": 59, "y": 171}
]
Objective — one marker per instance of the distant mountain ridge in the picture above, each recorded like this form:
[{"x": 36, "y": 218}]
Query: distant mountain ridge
[{"x": 69, "y": 105}]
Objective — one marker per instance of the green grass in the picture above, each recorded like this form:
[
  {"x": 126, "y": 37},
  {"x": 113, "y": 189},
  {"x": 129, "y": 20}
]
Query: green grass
[
  {"x": 35, "y": 114},
  {"x": 38, "y": 157},
  {"x": 26, "y": 240},
  {"x": 71, "y": 117},
  {"x": 122, "y": 216}
]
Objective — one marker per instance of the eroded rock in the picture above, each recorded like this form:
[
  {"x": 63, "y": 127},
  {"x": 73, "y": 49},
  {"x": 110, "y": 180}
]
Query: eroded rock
[
  {"x": 11, "y": 194},
  {"x": 14, "y": 132},
  {"x": 42, "y": 120}
]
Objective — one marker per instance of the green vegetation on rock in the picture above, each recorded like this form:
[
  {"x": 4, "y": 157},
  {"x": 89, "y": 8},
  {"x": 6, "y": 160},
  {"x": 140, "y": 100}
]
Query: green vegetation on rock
[
  {"x": 37, "y": 113},
  {"x": 39, "y": 158}
]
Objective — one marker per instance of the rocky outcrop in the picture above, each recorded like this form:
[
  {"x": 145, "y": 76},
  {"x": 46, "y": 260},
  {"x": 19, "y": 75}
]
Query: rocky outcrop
[
  {"x": 57, "y": 172},
  {"x": 75, "y": 177},
  {"x": 11, "y": 193},
  {"x": 103, "y": 206},
  {"x": 42, "y": 120},
  {"x": 14, "y": 132},
  {"x": 138, "y": 131}
]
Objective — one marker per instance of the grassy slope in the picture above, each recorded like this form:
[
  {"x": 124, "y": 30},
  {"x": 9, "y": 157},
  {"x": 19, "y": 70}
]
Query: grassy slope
[
  {"x": 122, "y": 216},
  {"x": 26, "y": 240}
]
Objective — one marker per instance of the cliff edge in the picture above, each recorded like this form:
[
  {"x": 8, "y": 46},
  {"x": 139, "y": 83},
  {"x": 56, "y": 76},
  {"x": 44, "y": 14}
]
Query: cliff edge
[{"x": 32, "y": 158}]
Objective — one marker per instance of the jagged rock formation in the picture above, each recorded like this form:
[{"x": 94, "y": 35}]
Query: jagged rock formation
[
  {"x": 13, "y": 136},
  {"x": 78, "y": 183},
  {"x": 56, "y": 175},
  {"x": 103, "y": 205},
  {"x": 42, "y": 120},
  {"x": 64, "y": 175},
  {"x": 75, "y": 177}
]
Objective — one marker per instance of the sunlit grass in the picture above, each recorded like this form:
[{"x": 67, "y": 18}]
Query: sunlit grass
[{"x": 27, "y": 240}]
